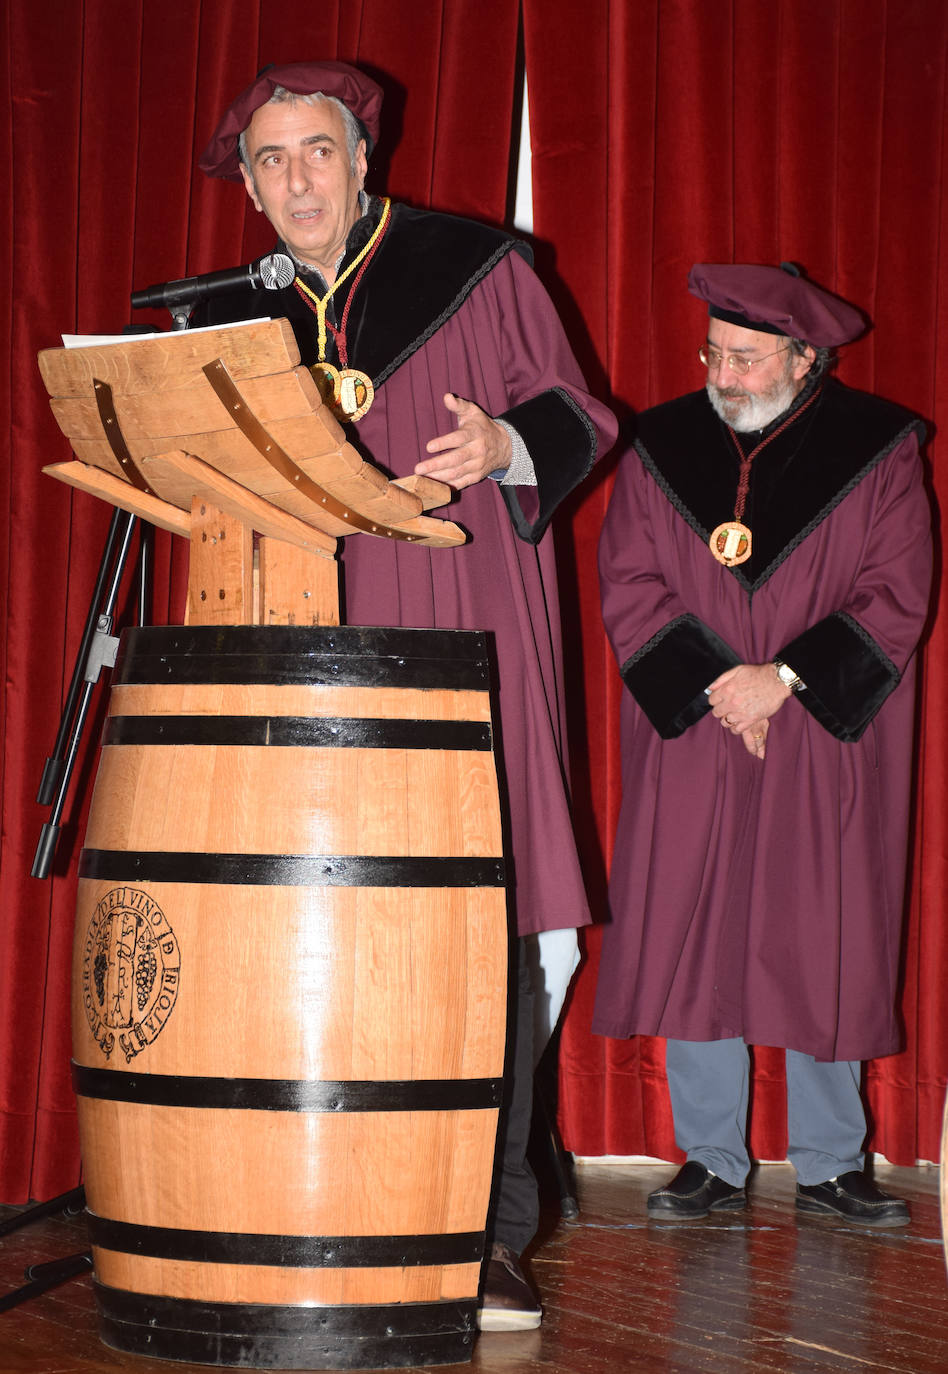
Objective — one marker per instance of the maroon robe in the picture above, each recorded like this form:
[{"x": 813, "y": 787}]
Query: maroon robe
[
  {"x": 751, "y": 898},
  {"x": 447, "y": 305}
]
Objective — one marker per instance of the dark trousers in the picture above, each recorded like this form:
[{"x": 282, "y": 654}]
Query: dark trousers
[{"x": 515, "y": 1205}]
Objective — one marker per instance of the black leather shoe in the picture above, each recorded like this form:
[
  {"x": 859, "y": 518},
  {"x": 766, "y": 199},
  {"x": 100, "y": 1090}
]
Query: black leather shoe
[
  {"x": 853, "y": 1197},
  {"x": 693, "y": 1193},
  {"x": 508, "y": 1303}
]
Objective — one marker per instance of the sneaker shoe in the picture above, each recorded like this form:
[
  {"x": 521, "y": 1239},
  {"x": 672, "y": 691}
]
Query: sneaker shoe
[{"x": 507, "y": 1301}]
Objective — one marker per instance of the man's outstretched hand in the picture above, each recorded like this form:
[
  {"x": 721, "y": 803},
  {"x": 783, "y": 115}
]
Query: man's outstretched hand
[{"x": 468, "y": 454}]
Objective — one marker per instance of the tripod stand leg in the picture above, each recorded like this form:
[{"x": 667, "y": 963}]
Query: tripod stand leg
[
  {"x": 45, "y": 1276},
  {"x": 559, "y": 1161},
  {"x": 72, "y": 1203},
  {"x": 49, "y": 1275}
]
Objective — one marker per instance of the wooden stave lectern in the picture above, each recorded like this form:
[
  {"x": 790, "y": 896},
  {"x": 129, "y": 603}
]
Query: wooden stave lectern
[
  {"x": 225, "y": 426},
  {"x": 220, "y": 436}
]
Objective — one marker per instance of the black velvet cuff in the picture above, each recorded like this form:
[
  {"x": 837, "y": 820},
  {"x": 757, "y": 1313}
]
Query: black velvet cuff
[
  {"x": 561, "y": 442},
  {"x": 847, "y": 675},
  {"x": 668, "y": 675}
]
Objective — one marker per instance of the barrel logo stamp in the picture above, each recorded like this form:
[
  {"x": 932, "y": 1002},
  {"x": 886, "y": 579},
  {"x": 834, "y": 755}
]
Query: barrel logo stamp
[{"x": 131, "y": 967}]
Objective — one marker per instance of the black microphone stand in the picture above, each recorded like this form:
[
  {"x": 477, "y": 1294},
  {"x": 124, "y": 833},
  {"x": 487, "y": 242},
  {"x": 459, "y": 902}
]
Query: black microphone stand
[
  {"x": 98, "y": 645},
  {"x": 97, "y": 650}
]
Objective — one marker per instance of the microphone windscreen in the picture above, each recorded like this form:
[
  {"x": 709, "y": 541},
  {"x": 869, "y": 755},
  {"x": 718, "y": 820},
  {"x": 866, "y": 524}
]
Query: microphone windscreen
[{"x": 276, "y": 271}]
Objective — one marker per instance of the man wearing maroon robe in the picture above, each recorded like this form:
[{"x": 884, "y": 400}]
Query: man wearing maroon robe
[
  {"x": 765, "y": 568},
  {"x": 473, "y": 380}
]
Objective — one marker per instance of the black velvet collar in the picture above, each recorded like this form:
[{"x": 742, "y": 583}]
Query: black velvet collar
[
  {"x": 795, "y": 482},
  {"x": 424, "y": 269}
]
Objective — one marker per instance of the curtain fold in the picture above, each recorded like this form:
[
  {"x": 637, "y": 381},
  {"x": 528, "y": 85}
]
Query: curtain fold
[
  {"x": 808, "y": 130},
  {"x": 108, "y": 105}
]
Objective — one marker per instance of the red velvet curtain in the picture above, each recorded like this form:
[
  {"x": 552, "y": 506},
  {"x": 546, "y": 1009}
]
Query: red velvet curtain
[
  {"x": 668, "y": 132},
  {"x": 665, "y": 131},
  {"x": 108, "y": 104}
]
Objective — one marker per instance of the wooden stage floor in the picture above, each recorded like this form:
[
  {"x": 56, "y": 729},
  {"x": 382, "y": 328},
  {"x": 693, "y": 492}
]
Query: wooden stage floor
[{"x": 736, "y": 1294}]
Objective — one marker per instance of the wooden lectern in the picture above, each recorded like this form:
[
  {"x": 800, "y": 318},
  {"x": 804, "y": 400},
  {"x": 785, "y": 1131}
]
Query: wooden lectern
[
  {"x": 289, "y": 977},
  {"x": 220, "y": 435}
]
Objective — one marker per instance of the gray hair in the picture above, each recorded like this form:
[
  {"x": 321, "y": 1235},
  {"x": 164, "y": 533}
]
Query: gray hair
[
  {"x": 823, "y": 360},
  {"x": 281, "y": 96}
]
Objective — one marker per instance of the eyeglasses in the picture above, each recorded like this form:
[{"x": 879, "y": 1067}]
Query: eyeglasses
[{"x": 713, "y": 358}]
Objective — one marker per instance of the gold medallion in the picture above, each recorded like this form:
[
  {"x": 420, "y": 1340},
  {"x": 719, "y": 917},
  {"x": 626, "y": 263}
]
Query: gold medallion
[
  {"x": 327, "y": 383},
  {"x": 354, "y": 394},
  {"x": 731, "y": 543}
]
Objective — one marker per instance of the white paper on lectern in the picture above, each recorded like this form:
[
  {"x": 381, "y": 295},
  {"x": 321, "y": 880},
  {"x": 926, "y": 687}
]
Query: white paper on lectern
[{"x": 102, "y": 340}]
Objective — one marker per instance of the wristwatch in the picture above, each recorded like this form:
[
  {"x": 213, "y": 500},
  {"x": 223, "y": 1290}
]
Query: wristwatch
[{"x": 788, "y": 677}]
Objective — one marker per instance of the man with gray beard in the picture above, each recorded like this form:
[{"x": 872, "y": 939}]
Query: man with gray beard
[{"x": 765, "y": 566}]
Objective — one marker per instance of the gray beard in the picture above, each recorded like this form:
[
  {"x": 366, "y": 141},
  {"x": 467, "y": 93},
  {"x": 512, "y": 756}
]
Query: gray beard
[{"x": 756, "y": 410}]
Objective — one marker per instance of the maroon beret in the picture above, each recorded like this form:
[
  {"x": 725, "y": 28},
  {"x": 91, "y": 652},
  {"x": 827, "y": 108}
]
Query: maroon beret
[
  {"x": 358, "y": 92},
  {"x": 775, "y": 300}
]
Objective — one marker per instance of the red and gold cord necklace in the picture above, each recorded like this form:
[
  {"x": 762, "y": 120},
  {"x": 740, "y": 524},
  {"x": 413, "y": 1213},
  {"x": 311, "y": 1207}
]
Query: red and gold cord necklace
[
  {"x": 731, "y": 542},
  {"x": 347, "y": 392}
]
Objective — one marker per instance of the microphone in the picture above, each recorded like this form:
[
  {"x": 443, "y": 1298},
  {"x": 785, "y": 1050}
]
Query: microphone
[{"x": 272, "y": 272}]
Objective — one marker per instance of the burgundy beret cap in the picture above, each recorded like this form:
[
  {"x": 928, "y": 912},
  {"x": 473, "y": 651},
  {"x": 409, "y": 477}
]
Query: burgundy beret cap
[
  {"x": 775, "y": 300},
  {"x": 358, "y": 92}
]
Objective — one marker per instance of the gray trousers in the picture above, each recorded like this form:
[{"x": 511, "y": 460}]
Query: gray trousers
[{"x": 709, "y": 1083}]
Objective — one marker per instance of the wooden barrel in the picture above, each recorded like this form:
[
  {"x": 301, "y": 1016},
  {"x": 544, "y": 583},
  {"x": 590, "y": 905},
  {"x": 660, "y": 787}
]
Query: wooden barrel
[{"x": 289, "y": 996}]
